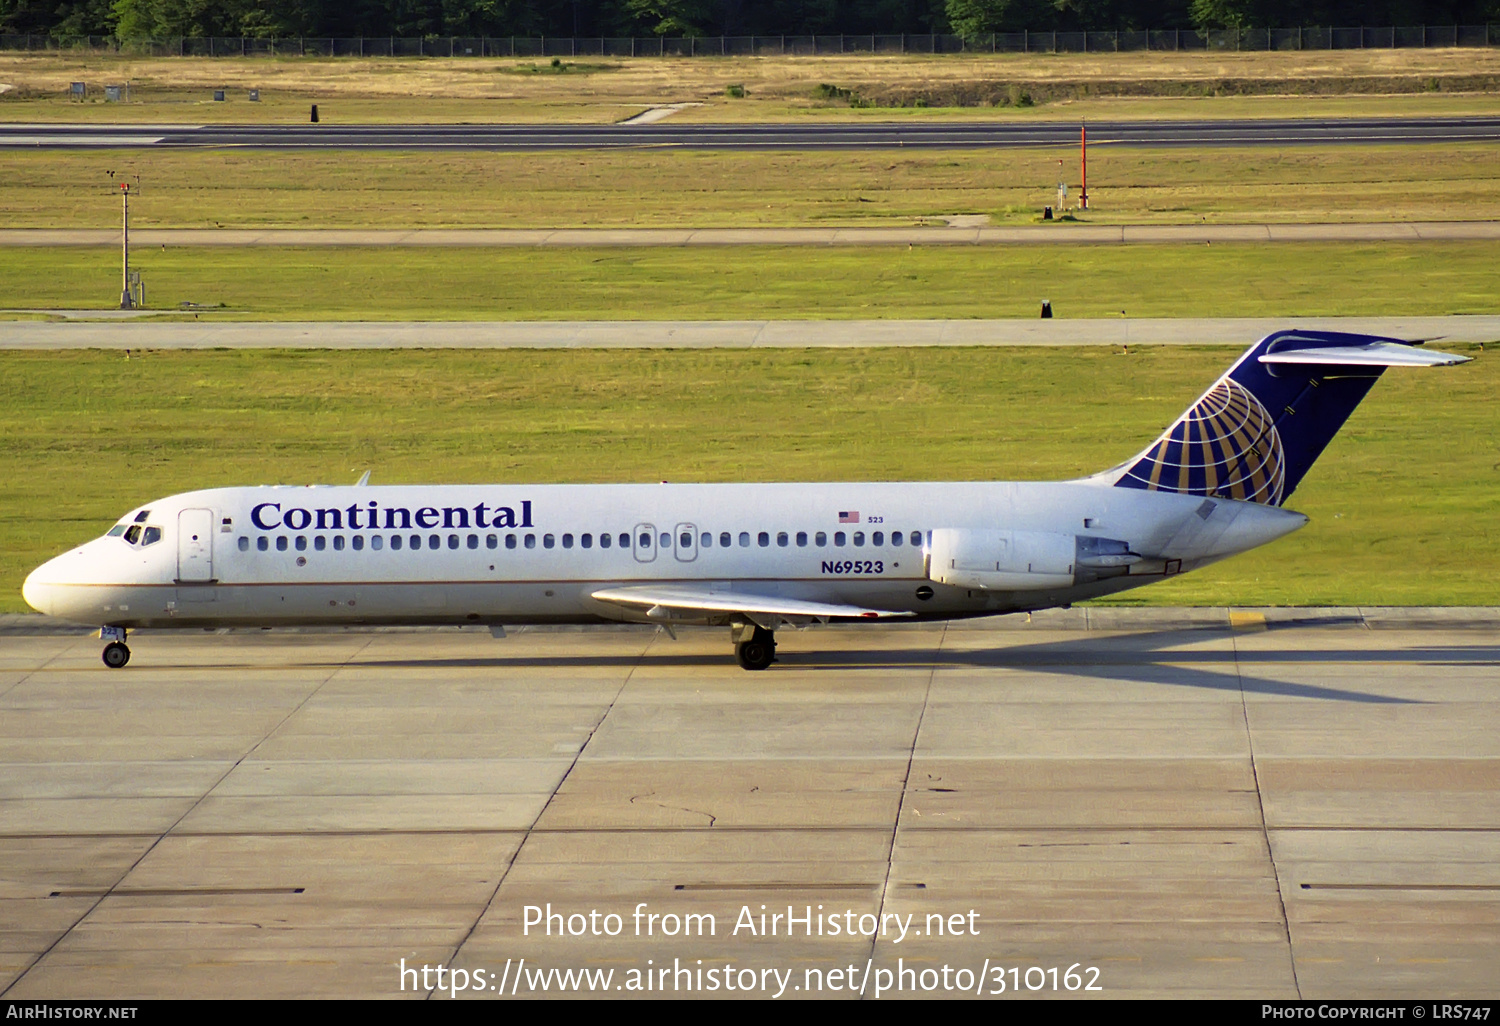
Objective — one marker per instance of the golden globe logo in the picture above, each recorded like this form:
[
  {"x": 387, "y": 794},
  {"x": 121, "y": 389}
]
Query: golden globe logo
[{"x": 1225, "y": 446}]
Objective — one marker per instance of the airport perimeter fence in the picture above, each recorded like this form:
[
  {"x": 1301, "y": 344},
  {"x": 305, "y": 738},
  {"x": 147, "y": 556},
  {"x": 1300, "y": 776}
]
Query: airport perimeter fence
[{"x": 1247, "y": 39}]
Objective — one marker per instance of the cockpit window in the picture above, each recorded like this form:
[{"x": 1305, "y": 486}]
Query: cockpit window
[
  {"x": 140, "y": 517},
  {"x": 134, "y": 534},
  {"x": 152, "y": 536},
  {"x": 116, "y": 531}
]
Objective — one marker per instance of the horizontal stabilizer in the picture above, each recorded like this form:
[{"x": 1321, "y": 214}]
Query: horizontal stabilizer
[
  {"x": 1371, "y": 354},
  {"x": 705, "y": 600}
]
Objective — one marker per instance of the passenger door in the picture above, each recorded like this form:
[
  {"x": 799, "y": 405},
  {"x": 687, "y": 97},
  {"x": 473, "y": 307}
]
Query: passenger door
[{"x": 195, "y": 546}]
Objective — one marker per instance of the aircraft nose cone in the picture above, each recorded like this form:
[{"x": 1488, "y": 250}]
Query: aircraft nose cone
[{"x": 37, "y": 590}]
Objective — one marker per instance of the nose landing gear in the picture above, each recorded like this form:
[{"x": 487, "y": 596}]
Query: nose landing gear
[
  {"x": 757, "y": 651},
  {"x": 116, "y": 654}
]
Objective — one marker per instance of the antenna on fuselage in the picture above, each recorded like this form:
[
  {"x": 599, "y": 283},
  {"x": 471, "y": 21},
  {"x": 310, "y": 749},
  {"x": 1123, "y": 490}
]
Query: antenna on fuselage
[{"x": 364, "y": 479}]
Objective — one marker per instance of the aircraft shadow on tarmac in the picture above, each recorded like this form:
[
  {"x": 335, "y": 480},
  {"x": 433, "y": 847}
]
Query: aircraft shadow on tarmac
[{"x": 1149, "y": 658}]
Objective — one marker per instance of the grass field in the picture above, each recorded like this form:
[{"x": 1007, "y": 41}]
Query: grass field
[
  {"x": 675, "y": 188},
  {"x": 1405, "y": 502},
  {"x": 1156, "y": 84},
  {"x": 758, "y": 282},
  {"x": 193, "y": 106}
]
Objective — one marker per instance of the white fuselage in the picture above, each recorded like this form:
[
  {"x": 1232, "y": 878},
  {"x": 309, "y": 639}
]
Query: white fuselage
[{"x": 509, "y": 554}]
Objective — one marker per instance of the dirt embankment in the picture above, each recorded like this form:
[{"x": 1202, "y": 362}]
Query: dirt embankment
[{"x": 1024, "y": 93}]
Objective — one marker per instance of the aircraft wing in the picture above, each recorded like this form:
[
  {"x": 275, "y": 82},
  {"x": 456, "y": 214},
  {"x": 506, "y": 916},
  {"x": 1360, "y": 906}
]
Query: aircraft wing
[{"x": 691, "y": 599}]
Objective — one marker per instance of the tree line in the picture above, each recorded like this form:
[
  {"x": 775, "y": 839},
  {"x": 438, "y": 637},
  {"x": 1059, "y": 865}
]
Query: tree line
[{"x": 165, "y": 19}]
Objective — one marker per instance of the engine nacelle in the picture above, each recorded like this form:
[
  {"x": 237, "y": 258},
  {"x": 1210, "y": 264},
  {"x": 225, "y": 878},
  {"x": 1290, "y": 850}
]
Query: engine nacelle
[
  {"x": 1001, "y": 560},
  {"x": 1022, "y": 560}
]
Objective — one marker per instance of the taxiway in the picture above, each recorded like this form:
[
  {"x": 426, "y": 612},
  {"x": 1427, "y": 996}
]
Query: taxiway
[
  {"x": 1220, "y": 803},
  {"x": 904, "y": 134}
]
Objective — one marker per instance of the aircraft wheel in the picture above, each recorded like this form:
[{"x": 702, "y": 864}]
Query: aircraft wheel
[
  {"x": 116, "y": 655},
  {"x": 757, "y": 653}
]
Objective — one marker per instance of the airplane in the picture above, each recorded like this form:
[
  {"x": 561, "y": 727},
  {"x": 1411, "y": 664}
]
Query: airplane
[{"x": 753, "y": 557}]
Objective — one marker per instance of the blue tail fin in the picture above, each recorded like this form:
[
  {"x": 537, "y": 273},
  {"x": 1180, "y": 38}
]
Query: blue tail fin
[{"x": 1258, "y": 430}]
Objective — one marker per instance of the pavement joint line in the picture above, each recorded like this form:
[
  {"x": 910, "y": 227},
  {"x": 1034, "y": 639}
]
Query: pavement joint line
[
  {"x": 532, "y": 827},
  {"x": 44, "y": 667},
  {"x": 762, "y": 829},
  {"x": 105, "y": 893},
  {"x": 1260, "y": 808},
  {"x": 911, "y": 758}
]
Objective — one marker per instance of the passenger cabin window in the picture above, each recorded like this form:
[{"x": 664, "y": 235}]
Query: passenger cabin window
[
  {"x": 261, "y": 544},
  {"x": 605, "y": 540},
  {"x": 801, "y": 539},
  {"x": 838, "y": 537},
  {"x": 782, "y": 539},
  {"x": 244, "y": 543},
  {"x": 434, "y": 541},
  {"x": 319, "y": 542},
  {"x": 763, "y": 539},
  {"x": 395, "y": 542},
  {"x": 916, "y": 538},
  {"x": 724, "y": 540},
  {"x": 548, "y": 541},
  {"x": 358, "y": 541},
  {"x": 416, "y": 542},
  {"x": 338, "y": 543},
  {"x": 895, "y": 537},
  {"x": 301, "y": 543},
  {"x": 377, "y": 542},
  {"x": 821, "y": 539},
  {"x": 878, "y": 538},
  {"x": 624, "y": 540},
  {"x": 586, "y": 541},
  {"x": 567, "y": 541},
  {"x": 510, "y": 541},
  {"x": 472, "y": 541},
  {"x": 706, "y": 540},
  {"x": 531, "y": 541},
  {"x": 744, "y": 539},
  {"x": 281, "y": 543},
  {"x": 859, "y": 537},
  {"x": 490, "y": 541}
]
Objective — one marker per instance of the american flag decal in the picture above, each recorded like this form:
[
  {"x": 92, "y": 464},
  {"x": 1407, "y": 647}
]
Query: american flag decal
[{"x": 851, "y": 517}]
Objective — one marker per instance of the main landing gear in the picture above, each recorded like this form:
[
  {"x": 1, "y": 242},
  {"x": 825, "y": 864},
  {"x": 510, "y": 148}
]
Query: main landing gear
[
  {"x": 116, "y": 654},
  {"x": 757, "y": 651}
]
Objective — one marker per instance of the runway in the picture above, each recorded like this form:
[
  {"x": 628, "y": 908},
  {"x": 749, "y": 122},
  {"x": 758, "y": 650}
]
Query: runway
[
  {"x": 1221, "y": 803},
  {"x": 105, "y": 329},
  {"x": 904, "y": 134}
]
